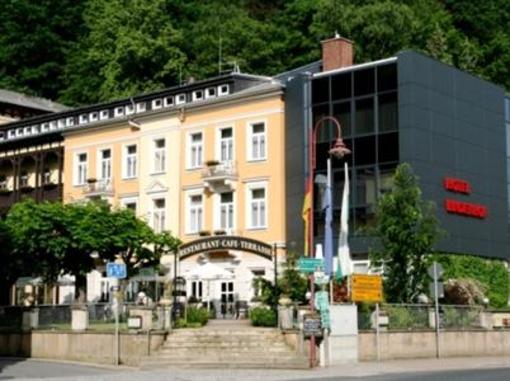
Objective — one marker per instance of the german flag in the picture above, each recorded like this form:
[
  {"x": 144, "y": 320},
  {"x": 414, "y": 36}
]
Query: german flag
[{"x": 305, "y": 214}]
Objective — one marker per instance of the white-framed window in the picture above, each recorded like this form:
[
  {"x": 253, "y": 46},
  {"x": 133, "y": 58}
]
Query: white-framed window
[
  {"x": 53, "y": 125},
  {"x": 195, "y": 153},
  {"x": 35, "y": 129},
  {"x": 80, "y": 168},
  {"x": 256, "y": 210},
  {"x": 158, "y": 214},
  {"x": 94, "y": 116},
  {"x": 141, "y": 107},
  {"x": 195, "y": 212},
  {"x": 198, "y": 95},
  {"x": 226, "y": 211},
  {"x": 223, "y": 90},
  {"x": 210, "y": 92},
  {"x": 257, "y": 141},
  {"x": 27, "y": 131},
  {"x": 119, "y": 111},
  {"x": 196, "y": 289},
  {"x": 157, "y": 104},
  {"x": 130, "y": 161},
  {"x": 130, "y": 203},
  {"x": 180, "y": 99},
  {"x": 159, "y": 146},
  {"x": 130, "y": 109},
  {"x": 83, "y": 118},
  {"x": 70, "y": 121},
  {"x": 105, "y": 164},
  {"x": 226, "y": 144},
  {"x": 168, "y": 101},
  {"x": 104, "y": 114},
  {"x": 61, "y": 123},
  {"x": 45, "y": 127}
]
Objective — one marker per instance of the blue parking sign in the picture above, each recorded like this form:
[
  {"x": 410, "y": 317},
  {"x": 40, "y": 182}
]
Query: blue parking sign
[{"x": 116, "y": 270}]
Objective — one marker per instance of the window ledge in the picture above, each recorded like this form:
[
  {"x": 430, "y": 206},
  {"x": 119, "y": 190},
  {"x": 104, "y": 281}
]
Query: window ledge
[
  {"x": 256, "y": 160},
  {"x": 257, "y": 228}
]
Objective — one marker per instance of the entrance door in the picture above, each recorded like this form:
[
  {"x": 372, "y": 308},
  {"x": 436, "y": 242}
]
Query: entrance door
[{"x": 227, "y": 309}]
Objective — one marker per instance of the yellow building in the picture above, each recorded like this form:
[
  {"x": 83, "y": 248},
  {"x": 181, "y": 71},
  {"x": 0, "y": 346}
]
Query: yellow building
[{"x": 203, "y": 159}]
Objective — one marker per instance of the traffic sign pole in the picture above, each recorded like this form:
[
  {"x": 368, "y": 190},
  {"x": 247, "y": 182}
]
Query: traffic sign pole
[{"x": 436, "y": 302}]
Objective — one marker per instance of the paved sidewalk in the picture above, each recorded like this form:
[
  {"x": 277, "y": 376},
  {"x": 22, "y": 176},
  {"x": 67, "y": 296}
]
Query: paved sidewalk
[{"x": 347, "y": 370}]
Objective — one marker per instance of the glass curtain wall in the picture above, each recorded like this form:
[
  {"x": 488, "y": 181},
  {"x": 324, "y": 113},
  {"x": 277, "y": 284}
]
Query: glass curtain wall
[{"x": 365, "y": 102}]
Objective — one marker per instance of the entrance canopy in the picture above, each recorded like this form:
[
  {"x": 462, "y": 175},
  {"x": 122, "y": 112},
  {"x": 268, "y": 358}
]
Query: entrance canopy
[
  {"x": 223, "y": 243},
  {"x": 210, "y": 271}
]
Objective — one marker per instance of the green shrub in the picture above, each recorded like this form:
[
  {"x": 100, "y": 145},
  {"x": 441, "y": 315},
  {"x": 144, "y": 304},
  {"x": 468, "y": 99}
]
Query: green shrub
[
  {"x": 262, "y": 317},
  {"x": 406, "y": 317},
  {"x": 197, "y": 315},
  {"x": 180, "y": 323}
]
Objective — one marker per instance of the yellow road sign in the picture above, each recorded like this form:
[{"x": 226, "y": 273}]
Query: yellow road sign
[{"x": 366, "y": 288}]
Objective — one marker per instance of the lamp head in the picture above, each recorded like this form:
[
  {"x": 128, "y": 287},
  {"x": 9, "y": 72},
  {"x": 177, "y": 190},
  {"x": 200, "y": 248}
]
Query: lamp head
[{"x": 339, "y": 149}]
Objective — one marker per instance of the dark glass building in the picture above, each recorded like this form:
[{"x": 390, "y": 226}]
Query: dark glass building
[{"x": 449, "y": 125}]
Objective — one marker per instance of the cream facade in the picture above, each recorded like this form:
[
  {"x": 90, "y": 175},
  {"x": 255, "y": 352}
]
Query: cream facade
[{"x": 213, "y": 167}]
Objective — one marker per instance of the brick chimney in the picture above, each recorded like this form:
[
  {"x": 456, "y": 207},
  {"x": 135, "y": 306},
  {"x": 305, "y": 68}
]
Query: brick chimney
[{"x": 337, "y": 52}]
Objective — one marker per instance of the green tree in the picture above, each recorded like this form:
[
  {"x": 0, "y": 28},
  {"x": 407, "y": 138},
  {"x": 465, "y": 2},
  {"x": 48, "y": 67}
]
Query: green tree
[
  {"x": 35, "y": 39},
  {"x": 407, "y": 229},
  {"x": 11, "y": 265},
  {"x": 129, "y": 47}
]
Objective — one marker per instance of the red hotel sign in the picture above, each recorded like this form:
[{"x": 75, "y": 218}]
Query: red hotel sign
[{"x": 461, "y": 207}]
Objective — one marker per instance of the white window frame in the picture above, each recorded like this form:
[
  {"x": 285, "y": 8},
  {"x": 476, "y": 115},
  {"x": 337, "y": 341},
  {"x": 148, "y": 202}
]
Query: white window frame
[
  {"x": 198, "y": 95},
  {"x": 168, "y": 101},
  {"x": 223, "y": 90},
  {"x": 219, "y": 141},
  {"x": 212, "y": 90},
  {"x": 161, "y": 153},
  {"x": 118, "y": 111},
  {"x": 83, "y": 119},
  {"x": 104, "y": 114},
  {"x": 250, "y": 138},
  {"x": 141, "y": 107},
  {"x": 100, "y": 160},
  {"x": 70, "y": 121},
  {"x": 157, "y": 103},
  {"x": 77, "y": 165},
  {"x": 248, "y": 207},
  {"x": 125, "y": 158},
  {"x": 190, "y": 150},
  {"x": 217, "y": 212},
  {"x": 61, "y": 123},
  {"x": 129, "y": 110},
  {"x": 94, "y": 116},
  {"x": 180, "y": 99},
  {"x": 125, "y": 201},
  {"x": 193, "y": 209},
  {"x": 158, "y": 215}
]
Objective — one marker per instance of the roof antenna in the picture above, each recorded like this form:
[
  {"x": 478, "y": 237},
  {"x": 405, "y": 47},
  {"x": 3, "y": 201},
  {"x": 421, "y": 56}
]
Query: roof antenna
[{"x": 219, "y": 57}]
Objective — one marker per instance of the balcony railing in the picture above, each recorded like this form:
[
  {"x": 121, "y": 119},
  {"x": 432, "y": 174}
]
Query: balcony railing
[
  {"x": 97, "y": 188},
  {"x": 219, "y": 176}
]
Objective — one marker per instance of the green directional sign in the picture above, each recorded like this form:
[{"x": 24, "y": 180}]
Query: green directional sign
[{"x": 310, "y": 265}]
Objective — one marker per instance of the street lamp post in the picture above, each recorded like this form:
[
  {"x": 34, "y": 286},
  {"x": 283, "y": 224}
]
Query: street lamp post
[{"x": 338, "y": 149}]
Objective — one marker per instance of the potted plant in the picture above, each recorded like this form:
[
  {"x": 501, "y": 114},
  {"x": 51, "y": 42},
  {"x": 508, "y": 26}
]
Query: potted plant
[
  {"x": 220, "y": 232},
  {"x": 91, "y": 180},
  {"x": 204, "y": 233},
  {"x": 212, "y": 163}
]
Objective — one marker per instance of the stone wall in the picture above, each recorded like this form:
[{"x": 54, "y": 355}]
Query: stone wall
[
  {"x": 90, "y": 347},
  {"x": 404, "y": 345}
]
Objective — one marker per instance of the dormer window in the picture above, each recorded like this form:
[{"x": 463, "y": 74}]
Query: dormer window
[
  {"x": 141, "y": 107},
  {"x": 61, "y": 123},
  {"x": 19, "y": 132},
  {"x": 169, "y": 101},
  {"x": 157, "y": 104},
  {"x": 11, "y": 134},
  {"x": 35, "y": 130},
  {"x": 130, "y": 109},
  {"x": 223, "y": 90},
  {"x": 181, "y": 98},
  {"x": 119, "y": 111},
  {"x": 27, "y": 131},
  {"x": 94, "y": 116},
  {"x": 45, "y": 127},
  {"x": 198, "y": 95},
  {"x": 2, "y": 136},
  {"x": 104, "y": 114},
  {"x": 70, "y": 121},
  {"x": 210, "y": 92},
  {"x": 83, "y": 118},
  {"x": 53, "y": 125}
]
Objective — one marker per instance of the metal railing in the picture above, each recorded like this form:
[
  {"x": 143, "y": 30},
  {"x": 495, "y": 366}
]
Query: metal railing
[{"x": 226, "y": 169}]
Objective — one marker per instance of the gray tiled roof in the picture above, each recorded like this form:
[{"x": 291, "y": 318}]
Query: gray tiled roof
[{"x": 13, "y": 97}]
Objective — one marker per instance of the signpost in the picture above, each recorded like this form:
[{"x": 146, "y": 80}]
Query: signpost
[
  {"x": 310, "y": 265},
  {"x": 312, "y": 325},
  {"x": 366, "y": 288},
  {"x": 436, "y": 272},
  {"x": 116, "y": 271}
]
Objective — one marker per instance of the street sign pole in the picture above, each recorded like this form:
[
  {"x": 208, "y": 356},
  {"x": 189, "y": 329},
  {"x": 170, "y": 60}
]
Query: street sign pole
[
  {"x": 377, "y": 333},
  {"x": 117, "y": 343},
  {"x": 436, "y": 302},
  {"x": 117, "y": 271},
  {"x": 312, "y": 308}
]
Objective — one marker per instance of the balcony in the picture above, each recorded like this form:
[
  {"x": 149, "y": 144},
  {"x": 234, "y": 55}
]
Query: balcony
[
  {"x": 220, "y": 177},
  {"x": 98, "y": 188}
]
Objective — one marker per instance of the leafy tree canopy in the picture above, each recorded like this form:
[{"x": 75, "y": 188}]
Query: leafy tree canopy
[{"x": 81, "y": 52}]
